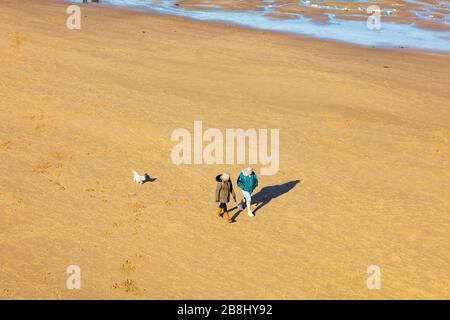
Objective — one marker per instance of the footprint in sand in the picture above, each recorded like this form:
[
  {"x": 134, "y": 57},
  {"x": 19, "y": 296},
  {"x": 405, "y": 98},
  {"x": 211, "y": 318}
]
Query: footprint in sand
[
  {"x": 114, "y": 226},
  {"x": 15, "y": 42},
  {"x": 60, "y": 156},
  {"x": 137, "y": 207},
  {"x": 9, "y": 199},
  {"x": 5, "y": 146},
  {"x": 127, "y": 267},
  {"x": 57, "y": 294},
  {"x": 93, "y": 193},
  {"x": 33, "y": 117},
  {"x": 90, "y": 190},
  {"x": 184, "y": 201},
  {"x": 168, "y": 203},
  {"x": 128, "y": 286},
  {"x": 6, "y": 292},
  {"x": 139, "y": 256},
  {"x": 57, "y": 183},
  {"x": 43, "y": 167},
  {"x": 41, "y": 125}
]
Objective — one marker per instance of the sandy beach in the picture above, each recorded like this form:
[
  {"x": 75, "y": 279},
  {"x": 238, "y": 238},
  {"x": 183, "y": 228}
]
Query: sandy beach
[{"x": 366, "y": 132}]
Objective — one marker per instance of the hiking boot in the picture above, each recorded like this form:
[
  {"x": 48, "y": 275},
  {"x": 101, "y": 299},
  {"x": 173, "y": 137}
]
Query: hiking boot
[{"x": 227, "y": 216}]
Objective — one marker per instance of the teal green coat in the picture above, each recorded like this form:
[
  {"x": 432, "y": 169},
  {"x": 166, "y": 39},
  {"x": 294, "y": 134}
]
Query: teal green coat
[{"x": 247, "y": 183}]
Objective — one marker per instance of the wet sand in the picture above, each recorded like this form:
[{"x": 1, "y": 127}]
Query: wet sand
[
  {"x": 366, "y": 131},
  {"x": 429, "y": 14}
]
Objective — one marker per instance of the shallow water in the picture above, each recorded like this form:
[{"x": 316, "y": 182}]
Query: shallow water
[{"x": 404, "y": 23}]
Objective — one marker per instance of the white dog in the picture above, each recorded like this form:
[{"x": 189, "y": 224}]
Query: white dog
[{"x": 138, "y": 178}]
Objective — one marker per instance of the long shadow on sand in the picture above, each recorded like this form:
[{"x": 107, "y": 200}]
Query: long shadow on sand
[{"x": 267, "y": 194}]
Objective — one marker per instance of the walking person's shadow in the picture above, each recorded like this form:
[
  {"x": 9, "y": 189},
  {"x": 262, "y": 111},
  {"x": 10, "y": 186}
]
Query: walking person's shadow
[{"x": 266, "y": 194}]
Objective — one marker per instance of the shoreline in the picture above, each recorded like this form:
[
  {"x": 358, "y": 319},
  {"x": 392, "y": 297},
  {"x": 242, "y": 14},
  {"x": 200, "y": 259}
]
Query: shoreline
[{"x": 444, "y": 47}]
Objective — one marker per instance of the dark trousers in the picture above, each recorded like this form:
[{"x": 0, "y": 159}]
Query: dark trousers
[{"x": 223, "y": 206}]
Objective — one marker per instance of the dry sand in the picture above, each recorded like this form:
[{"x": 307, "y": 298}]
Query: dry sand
[{"x": 367, "y": 131}]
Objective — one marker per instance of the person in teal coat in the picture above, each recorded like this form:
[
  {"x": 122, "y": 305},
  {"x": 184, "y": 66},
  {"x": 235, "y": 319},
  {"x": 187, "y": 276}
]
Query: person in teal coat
[{"x": 247, "y": 182}]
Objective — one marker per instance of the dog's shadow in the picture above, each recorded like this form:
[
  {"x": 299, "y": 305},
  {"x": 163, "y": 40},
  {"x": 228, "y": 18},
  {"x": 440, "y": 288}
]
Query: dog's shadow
[{"x": 148, "y": 178}]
